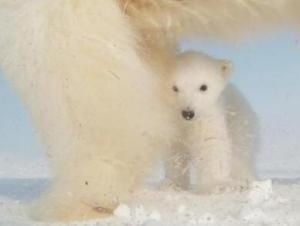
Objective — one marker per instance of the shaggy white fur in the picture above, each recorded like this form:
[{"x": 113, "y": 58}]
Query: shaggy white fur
[
  {"x": 82, "y": 70},
  {"x": 215, "y": 132},
  {"x": 92, "y": 98},
  {"x": 229, "y": 19}
]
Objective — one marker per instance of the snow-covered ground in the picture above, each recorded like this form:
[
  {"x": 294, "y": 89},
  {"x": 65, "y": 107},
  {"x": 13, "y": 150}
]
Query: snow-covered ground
[
  {"x": 13, "y": 165},
  {"x": 23, "y": 179},
  {"x": 276, "y": 204}
]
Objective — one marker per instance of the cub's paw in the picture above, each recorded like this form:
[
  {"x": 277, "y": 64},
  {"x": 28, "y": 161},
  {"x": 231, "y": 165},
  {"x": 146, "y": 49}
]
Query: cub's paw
[
  {"x": 168, "y": 184},
  {"x": 230, "y": 186}
]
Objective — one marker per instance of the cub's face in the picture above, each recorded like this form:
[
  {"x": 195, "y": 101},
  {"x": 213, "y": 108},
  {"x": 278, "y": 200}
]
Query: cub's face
[{"x": 197, "y": 83}]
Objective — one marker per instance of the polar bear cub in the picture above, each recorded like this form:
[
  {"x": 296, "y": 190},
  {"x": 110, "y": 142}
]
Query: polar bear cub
[{"x": 207, "y": 136}]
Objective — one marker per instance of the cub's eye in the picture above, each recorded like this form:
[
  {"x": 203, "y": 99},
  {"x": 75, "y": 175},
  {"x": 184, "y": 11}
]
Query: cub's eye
[
  {"x": 175, "y": 89},
  {"x": 203, "y": 88}
]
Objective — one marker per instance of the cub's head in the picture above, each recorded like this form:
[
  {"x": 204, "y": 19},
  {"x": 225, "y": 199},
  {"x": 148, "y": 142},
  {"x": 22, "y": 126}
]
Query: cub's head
[{"x": 197, "y": 82}]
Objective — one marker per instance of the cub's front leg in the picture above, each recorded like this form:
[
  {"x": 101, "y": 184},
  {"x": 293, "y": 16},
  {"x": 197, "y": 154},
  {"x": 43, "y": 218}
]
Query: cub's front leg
[
  {"x": 177, "y": 166},
  {"x": 211, "y": 153}
]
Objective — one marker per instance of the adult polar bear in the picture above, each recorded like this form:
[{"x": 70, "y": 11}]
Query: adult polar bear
[{"x": 80, "y": 67}]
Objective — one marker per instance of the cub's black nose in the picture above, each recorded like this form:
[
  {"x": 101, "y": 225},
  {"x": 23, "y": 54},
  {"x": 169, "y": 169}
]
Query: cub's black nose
[{"x": 188, "y": 115}]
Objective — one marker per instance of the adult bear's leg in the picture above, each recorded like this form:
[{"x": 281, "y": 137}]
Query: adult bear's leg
[{"x": 75, "y": 64}]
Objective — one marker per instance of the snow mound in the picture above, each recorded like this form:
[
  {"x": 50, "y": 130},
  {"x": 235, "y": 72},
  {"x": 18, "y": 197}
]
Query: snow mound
[{"x": 263, "y": 204}]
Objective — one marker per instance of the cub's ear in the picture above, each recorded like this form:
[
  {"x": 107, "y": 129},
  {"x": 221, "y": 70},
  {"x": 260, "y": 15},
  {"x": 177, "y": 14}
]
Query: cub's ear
[{"x": 226, "y": 68}]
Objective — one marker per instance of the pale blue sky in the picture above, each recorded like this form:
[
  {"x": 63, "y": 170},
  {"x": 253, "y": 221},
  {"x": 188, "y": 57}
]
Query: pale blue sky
[
  {"x": 267, "y": 71},
  {"x": 16, "y": 131}
]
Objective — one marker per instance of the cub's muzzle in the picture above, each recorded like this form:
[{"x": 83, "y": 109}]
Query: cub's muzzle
[{"x": 188, "y": 115}]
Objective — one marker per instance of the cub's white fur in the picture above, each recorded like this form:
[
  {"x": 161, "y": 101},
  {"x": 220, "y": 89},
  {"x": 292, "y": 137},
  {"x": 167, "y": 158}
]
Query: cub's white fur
[{"x": 210, "y": 125}]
